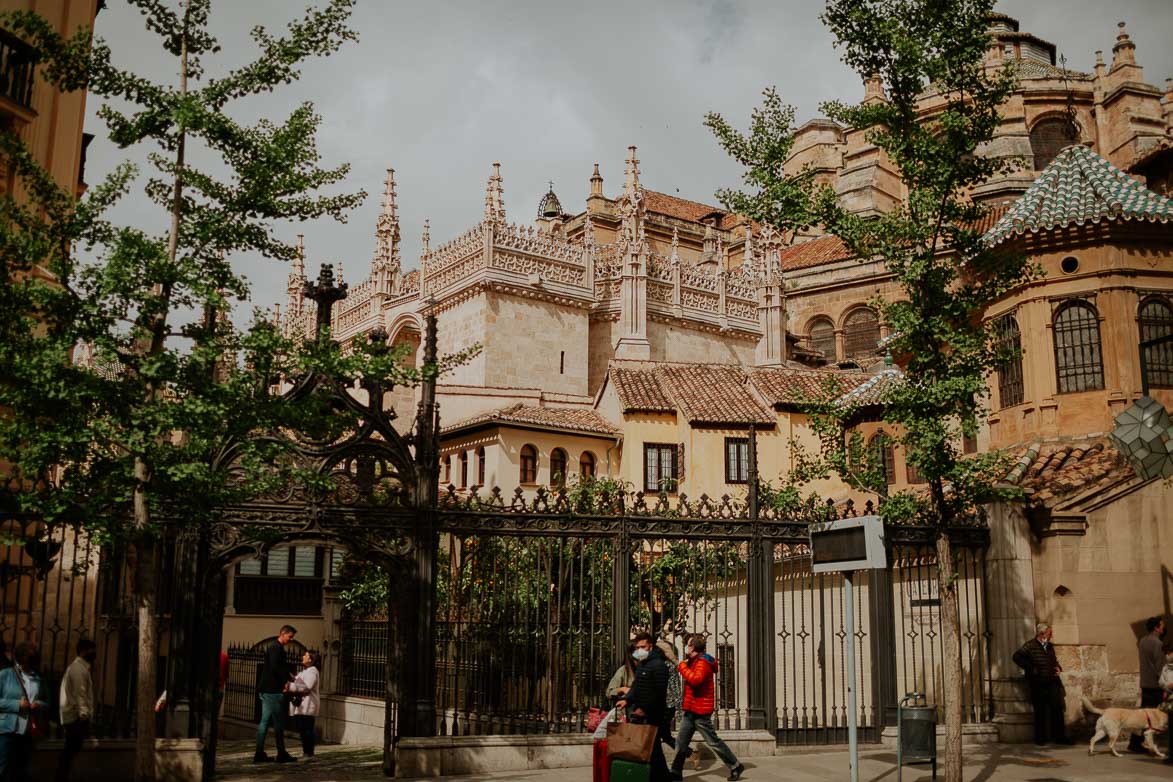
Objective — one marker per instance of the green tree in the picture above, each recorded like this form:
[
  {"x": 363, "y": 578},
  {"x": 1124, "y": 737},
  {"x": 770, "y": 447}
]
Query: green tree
[
  {"x": 941, "y": 105},
  {"x": 121, "y": 449}
]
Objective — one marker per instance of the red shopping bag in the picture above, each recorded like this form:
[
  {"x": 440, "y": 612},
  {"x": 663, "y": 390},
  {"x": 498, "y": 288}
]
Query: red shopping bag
[{"x": 601, "y": 763}]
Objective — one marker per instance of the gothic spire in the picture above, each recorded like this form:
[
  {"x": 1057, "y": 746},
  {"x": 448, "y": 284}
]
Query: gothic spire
[
  {"x": 425, "y": 239},
  {"x": 299, "y": 261},
  {"x": 495, "y": 197},
  {"x": 630, "y": 173},
  {"x": 596, "y": 182},
  {"x": 387, "y": 230}
]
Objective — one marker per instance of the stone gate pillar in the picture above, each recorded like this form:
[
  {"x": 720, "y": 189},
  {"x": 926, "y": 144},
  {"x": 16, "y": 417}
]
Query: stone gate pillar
[{"x": 1011, "y": 615}]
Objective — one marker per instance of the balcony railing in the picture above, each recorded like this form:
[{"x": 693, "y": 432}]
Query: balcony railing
[{"x": 17, "y": 61}]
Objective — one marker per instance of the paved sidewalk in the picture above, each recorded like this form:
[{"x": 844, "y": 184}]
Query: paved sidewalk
[{"x": 994, "y": 764}]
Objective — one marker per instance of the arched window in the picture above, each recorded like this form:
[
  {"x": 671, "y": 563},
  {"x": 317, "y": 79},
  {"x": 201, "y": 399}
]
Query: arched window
[
  {"x": 557, "y": 467},
  {"x": 1079, "y": 365},
  {"x": 586, "y": 465},
  {"x": 481, "y": 466},
  {"x": 911, "y": 471},
  {"x": 861, "y": 333},
  {"x": 885, "y": 456},
  {"x": 463, "y": 469},
  {"x": 1048, "y": 137},
  {"x": 448, "y": 468},
  {"x": 822, "y": 338},
  {"x": 529, "y": 464},
  {"x": 1010, "y": 387},
  {"x": 1156, "y": 320}
]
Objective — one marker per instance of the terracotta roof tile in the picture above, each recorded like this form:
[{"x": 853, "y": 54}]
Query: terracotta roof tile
[
  {"x": 570, "y": 419},
  {"x": 815, "y": 252},
  {"x": 1079, "y": 187},
  {"x": 715, "y": 394},
  {"x": 874, "y": 390},
  {"x": 783, "y": 386},
  {"x": 703, "y": 393},
  {"x": 1053, "y": 472},
  {"x": 682, "y": 208}
]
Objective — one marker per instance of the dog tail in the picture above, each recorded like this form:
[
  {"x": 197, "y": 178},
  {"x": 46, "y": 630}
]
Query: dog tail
[{"x": 1087, "y": 706}]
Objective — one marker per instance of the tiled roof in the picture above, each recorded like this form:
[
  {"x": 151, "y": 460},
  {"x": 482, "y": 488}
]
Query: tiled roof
[
  {"x": 872, "y": 391},
  {"x": 703, "y": 393},
  {"x": 782, "y": 386},
  {"x": 639, "y": 391},
  {"x": 678, "y": 207},
  {"x": 708, "y": 393},
  {"x": 572, "y": 419},
  {"x": 815, "y": 252},
  {"x": 1034, "y": 69},
  {"x": 1053, "y": 472},
  {"x": 1079, "y": 187}
]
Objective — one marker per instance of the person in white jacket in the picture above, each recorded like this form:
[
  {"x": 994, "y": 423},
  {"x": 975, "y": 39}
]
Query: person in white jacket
[
  {"x": 305, "y": 699},
  {"x": 76, "y": 699}
]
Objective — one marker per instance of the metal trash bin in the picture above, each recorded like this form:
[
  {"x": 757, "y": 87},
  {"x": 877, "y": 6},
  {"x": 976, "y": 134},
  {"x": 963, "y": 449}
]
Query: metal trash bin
[{"x": 916, "y": 734}]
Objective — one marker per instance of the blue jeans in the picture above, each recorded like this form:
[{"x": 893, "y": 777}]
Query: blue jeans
[
  {"x": 690, "y": 723},
  {"x": 273, "y": 710}
]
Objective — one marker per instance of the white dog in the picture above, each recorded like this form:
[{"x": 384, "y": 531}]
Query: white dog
[{"x": 1113, "y": 722}]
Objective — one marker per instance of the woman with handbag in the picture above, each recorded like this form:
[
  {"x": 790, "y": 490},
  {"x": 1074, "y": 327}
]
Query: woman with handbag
[
  {"x": 22, "y": 713},
  {"x": 304, "y": 700},
  {"x": 623, "y": 677}
]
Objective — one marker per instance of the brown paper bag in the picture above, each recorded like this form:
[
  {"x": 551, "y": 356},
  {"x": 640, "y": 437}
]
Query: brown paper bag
[{"x": 628, "y": 741}]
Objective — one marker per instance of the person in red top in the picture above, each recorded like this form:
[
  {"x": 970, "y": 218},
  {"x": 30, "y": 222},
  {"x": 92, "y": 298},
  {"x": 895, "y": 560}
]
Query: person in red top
[{"x": 698, "y": 670}]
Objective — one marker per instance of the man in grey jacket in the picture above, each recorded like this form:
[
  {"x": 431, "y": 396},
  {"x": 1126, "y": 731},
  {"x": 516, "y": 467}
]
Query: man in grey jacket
[{"x": 1151, "y": 651}]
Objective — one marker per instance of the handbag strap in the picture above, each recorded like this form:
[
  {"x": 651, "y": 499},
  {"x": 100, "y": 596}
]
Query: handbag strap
[{"x": 20, "y": 680}]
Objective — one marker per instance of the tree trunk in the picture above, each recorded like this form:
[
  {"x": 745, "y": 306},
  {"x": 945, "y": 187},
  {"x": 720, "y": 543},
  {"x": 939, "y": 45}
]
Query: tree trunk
[
  {"x": 950, "y": 635},
  {"x": 145, "y": 599}
]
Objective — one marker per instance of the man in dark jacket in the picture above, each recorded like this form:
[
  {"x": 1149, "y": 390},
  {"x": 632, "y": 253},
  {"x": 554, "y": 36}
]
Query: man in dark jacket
[
  {"x": 1037, "y": 660},
  {"x": 698, "y": 670},
  {"x": 646, "y": 702},
  {"x": 275, "y": 675},
  {"x": 1151, "y": 652}
]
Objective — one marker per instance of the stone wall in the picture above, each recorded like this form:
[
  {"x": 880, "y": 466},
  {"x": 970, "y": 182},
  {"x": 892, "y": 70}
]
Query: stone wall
[
  {"x": 678, "y": 342},
  {"x": 529, "y": 343}
]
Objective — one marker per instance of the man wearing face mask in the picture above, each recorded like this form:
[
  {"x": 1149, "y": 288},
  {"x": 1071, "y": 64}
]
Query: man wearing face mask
[{"x": 645, "y": 701}]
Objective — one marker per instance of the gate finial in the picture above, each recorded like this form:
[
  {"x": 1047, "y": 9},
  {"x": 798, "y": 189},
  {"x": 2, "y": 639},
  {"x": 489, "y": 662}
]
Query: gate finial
[{"x": 324, "y": 293}]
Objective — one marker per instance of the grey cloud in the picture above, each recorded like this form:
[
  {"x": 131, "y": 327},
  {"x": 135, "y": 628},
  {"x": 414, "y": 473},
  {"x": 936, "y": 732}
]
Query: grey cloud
[{"x": 439, "y": 91}]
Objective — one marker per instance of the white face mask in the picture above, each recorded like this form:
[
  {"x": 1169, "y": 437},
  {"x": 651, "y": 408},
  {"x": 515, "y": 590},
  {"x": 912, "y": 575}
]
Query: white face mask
[{"x": 640, "y": 654}]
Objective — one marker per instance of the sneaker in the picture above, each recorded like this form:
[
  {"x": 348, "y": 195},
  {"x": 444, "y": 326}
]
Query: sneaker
[
  {"x": 736, "y": 773},
  {"x": 285, "y": 757},
  {"x": 261, "y": 757}
]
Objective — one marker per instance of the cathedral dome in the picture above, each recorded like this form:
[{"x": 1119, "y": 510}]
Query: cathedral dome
[{"x": 549, "y": 206}]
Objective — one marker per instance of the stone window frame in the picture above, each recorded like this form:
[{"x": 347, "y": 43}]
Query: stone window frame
[
  {"x": 855, "y": 334},
  {"x": 480, "y": 454},
  {"x": 881, "y": 445},
  {"x": 823, "y": 320}
]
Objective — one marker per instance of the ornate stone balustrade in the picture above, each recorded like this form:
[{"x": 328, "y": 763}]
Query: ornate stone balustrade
[{"x": 529, "y": 240}]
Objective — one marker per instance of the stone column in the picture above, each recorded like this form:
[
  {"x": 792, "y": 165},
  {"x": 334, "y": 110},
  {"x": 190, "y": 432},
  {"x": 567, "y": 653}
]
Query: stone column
[{"x": 1010, "y": 612}]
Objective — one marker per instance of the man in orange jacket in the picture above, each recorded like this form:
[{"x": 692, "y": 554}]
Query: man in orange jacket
[{"x": 698, "y": 671}]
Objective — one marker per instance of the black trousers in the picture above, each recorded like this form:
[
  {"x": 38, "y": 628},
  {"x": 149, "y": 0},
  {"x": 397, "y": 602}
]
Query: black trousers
[
  {"x": 1150, "y": 698},
  {"x": 658, "y": 763},
  {"x": 305, "y": 727},
  {"x": 75, "y": 735},
  {"x": 1046, "y": 696}
]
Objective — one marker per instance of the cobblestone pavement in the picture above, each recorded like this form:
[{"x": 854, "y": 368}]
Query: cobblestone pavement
[{"x": 983, "y": 764}]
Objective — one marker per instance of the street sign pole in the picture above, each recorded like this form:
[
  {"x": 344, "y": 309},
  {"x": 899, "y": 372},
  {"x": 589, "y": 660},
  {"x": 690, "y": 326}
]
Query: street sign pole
[{"x": 852, "y": 740}]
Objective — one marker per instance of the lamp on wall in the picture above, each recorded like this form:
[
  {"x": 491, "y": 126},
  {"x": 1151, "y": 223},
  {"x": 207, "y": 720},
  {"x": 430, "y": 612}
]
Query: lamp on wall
[{"x": 1144, "y": 432}]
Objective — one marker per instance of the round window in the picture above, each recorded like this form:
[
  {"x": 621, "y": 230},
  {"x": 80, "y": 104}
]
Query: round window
[{"x": 1069, "y": 265}]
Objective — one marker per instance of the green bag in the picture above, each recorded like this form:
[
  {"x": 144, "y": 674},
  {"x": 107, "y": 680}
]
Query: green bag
[{"x": 629, "y": 771}]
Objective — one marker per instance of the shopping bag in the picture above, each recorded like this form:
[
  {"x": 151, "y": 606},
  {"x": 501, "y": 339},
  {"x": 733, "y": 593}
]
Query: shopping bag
[
  {"x": 600, "y": 763},
  {"x": 627, "y": 771},
  {"x": 601, "y": 728},
  {"x": 629, "y": 741}
]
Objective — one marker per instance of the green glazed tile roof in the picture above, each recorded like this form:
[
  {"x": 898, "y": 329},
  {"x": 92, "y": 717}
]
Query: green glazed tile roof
[{"x": 1079, "y": 187}]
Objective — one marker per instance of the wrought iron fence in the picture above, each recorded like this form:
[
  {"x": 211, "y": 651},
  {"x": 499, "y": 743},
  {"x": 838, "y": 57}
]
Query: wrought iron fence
[
  {"x": 365, "y": 645},
  {"x": 242, "y": 699}
]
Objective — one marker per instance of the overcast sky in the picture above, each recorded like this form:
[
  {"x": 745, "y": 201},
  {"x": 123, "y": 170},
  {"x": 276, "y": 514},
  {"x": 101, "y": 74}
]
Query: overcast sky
[{"x": 440, "y": 90}]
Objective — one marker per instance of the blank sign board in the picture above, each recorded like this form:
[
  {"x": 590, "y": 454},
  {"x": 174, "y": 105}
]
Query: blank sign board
[{"x": 848, "y": 544}]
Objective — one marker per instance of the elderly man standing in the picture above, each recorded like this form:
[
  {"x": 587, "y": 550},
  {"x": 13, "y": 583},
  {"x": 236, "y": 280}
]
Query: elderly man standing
[
  {"x": 76, "y": 698},
  {"x": 1037, "y": 660},
  {"x": 1151, "y": 651}
]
